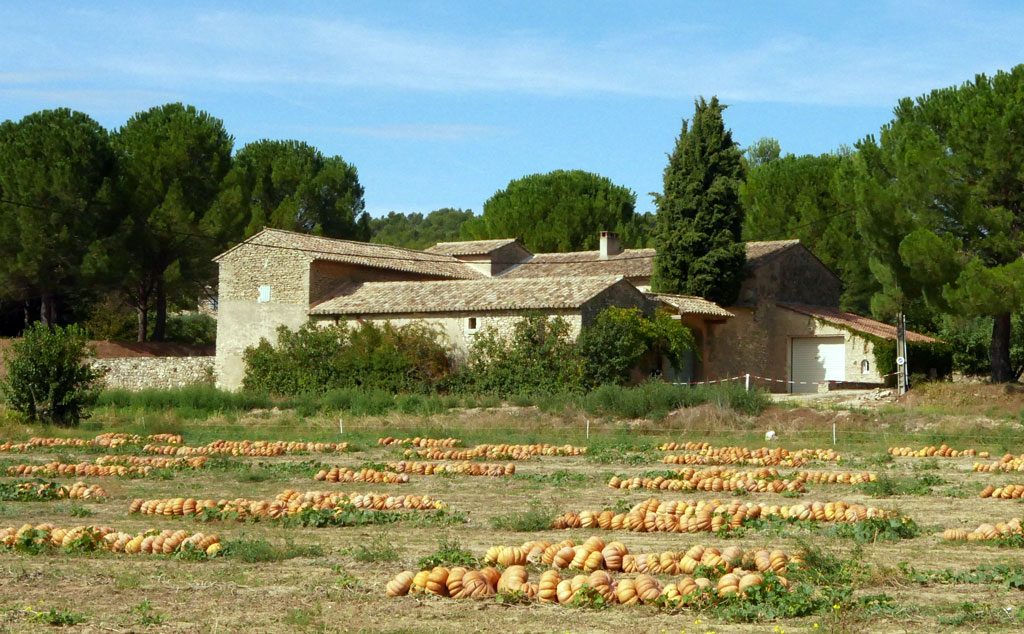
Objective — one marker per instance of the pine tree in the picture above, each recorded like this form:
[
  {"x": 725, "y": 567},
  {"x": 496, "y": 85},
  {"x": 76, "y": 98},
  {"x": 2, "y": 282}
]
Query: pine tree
[
  {"x": 940, "y": 198},
  {"x": 700, "y": 217}
]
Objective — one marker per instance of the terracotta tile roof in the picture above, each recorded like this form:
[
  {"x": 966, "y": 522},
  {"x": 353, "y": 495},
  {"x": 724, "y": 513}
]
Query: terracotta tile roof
[
  {"x": 759, "y": 252},
  {"x": 856, "y": 322},
  {"x": 376, "y": 298},
  {"x": 632, "y": 263},
  {"x": 691, "y": 305},
  {"x": 364, "y": 253},
  {"x": 469, "y": 247},
  {"x": 629, "y": 263}
]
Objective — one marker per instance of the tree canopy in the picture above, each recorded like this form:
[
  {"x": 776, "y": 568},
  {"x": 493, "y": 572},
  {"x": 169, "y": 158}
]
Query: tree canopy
[
  {"x": 941, "y": 205},
  {"x": 700, "y": 217},
  {"x": 801, "y": 197},
  {"x": 173, "y": 159},
  {"x": 289, "y": 185},
  {"x": 418, "y": 231},
  {"x": 564, "y": 210},
  {"x": 55, "y": 180}
]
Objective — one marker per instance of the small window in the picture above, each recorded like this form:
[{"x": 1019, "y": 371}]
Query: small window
[
  {"x": 865, "y": 367},
  {"x": 471, "y": 324},
  {"x": 264, "y": 293}
]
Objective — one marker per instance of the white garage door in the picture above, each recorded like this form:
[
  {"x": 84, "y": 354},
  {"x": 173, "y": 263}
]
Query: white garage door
[{"x": 817, "y": 359}]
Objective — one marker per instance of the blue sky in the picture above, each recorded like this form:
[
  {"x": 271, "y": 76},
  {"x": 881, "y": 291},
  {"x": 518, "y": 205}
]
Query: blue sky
[{"x": 442, "y": 103}]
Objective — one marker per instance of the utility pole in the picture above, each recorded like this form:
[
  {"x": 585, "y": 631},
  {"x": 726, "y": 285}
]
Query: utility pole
[{"x": 902, "y": 360}]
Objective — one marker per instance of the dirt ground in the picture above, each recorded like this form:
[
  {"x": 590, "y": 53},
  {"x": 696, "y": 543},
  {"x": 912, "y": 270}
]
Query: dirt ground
[{"x": 334, "y": 590}]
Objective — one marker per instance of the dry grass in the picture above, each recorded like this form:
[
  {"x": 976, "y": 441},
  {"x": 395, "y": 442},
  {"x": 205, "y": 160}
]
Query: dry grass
[{"x": 340, "y": 590}]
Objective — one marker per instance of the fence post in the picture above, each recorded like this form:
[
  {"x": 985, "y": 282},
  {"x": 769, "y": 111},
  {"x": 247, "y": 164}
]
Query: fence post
[
  {"x": 341, "y": 426},
  {"x": 588, "y": 429},
  {"x": 747, "y": 381},
  {"x": 833, "y": 433}
]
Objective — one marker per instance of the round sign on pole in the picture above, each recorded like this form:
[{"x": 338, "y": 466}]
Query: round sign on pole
[{"x": 900, "y": 360}]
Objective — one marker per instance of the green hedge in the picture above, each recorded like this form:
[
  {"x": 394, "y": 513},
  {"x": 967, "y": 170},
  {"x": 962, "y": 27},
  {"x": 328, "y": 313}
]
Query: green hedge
[{"x": 923, "y": 357}]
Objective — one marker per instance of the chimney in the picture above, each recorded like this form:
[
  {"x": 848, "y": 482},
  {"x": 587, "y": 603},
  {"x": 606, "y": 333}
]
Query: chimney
[{"x": 610, "y": 244}]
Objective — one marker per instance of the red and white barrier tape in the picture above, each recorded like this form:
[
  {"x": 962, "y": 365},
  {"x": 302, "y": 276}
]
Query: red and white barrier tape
[{"x": 773, "y": 380}]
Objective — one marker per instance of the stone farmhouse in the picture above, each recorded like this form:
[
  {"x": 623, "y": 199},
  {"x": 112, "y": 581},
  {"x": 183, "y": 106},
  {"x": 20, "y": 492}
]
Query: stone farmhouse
[{"x": 786, "y": 329}]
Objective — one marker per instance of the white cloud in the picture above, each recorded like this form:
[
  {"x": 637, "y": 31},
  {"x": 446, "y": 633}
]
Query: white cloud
[{"x": 238, "y": 51}]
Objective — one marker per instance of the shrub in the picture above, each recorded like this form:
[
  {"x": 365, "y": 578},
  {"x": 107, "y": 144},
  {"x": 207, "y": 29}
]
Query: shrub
[
  {"x": 47, "y": 377},
  {"x": 192, "y": 328},
  {"x": 538, "y": 357},
  {"x": 925, "y": 358},
  {"x": 620, "y": 338},
  {"x": 368, "y": 356}
]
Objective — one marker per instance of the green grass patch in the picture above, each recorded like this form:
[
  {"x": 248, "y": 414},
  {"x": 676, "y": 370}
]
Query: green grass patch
[
  {"x": 380, "y": 548},
  {"x": 536, "y": 518},
  {"x": 449, "y": 553},
  {"x": 258, "y": 550}
]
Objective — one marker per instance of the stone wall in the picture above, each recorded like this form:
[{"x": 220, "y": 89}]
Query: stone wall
[
  {"x": 242, "y": 318},
  {"x": 794, "y": 276},
  {"x": 140, "y": 373},
  {"x": 759, "y": 341}
]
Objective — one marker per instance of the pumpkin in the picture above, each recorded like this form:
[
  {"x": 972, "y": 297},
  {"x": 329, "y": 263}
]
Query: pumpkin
[
  {"x": 547, "y": 587},
  {"x": 625, "y": 592},
  {"x": 437, "y": 581},
  {"x": 647, "y": 588},
  {"x": 399, "y": 586},
  {"x": 454, "y": 581},
  {"x": 512, "y": 579},
  {"x": 564, "y": 557},
  {"x": 601, "y": 582}
]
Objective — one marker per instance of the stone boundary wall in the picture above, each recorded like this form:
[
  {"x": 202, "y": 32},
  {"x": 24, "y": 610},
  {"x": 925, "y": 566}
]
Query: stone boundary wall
[
  {"x": 139, "y": 366},
  {"x": 140, "y": 373}
]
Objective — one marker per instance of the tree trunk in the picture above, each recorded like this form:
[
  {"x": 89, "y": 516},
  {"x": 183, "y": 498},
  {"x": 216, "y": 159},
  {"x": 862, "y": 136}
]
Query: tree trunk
[
  {"x": 160, "y": 323},
  {"x": 47, "y": 310},
  {"x": 28, "y": 313},
  {"x": 142, "y": 313},
  {"x": 999, "y": 351}
]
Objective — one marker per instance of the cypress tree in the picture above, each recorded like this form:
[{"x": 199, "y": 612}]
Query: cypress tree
[{"x": 700, "y": 217}]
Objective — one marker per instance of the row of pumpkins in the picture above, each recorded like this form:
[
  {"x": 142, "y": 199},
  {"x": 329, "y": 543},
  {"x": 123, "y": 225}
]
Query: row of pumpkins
[
  {"x": 931, "y": 451},
  {"x": 460, "y": 468},
  {"x": 250, "y": 448},
  {"x": 105, "y": 466},
  {"x": 986, "y": 532},
  {"x": 654, "y": 515},
  {"x": 285, "y": 504},
  {"x": 1005, "y": 492},
  {"x": 497, "y": 452},
  {"x": 735, "y": 453},
  {"x": 82, "y": 469},
  {"x": 595, "y": 554},
  {"x": 1008, "y": 463},
  {"x": 151, "y": 461},
  {"x": 36, "y": 490},
  {"x": 716, "y": 480},
  {"x": 417, "y": 441},
  {"x": 345, "y": 474},
  {"x": 110, "y": 439},
  {"x": 463, "y": 583},
  {"x": 148, "y": 542}
]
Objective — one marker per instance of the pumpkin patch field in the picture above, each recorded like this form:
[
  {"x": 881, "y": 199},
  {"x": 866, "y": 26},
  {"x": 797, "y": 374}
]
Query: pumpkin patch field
[{"x": 522, "y": 522}]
